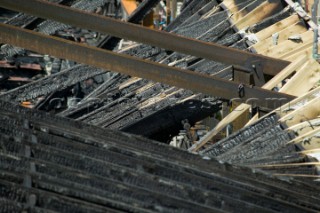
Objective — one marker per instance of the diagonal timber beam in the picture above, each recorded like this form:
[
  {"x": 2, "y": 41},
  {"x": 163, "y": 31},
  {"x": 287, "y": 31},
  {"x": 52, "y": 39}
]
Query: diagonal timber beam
[
  {"x": 141, "y": 34},
  {"x": 129, "y": 65}
]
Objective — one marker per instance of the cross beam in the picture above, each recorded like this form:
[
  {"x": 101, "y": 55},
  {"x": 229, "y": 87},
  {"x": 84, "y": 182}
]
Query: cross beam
[
  {"x": 168, "y": 41},
  {"x": 133, "y": 66}
]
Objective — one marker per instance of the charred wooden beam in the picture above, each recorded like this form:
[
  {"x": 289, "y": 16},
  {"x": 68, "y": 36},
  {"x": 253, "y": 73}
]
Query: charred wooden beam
[{"x": 100, "y": 168}]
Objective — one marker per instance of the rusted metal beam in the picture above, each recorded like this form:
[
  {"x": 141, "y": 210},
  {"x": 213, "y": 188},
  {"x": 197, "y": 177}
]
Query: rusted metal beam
[
  {"x": 108, "y": 60},
  {"x": 144, "y": 8},
  {"x": 168, "y": 41}
]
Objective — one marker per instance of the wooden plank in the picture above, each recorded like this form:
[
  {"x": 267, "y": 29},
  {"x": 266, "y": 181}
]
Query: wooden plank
[
  {"x": 306, "y": 47},
  {"x": 310, "y": 151},
  {"x": 296, "y": 28},
  {"x": 129, "y": 82},
  {"x": 300, "y": 61},
  {"x": 144, "y": 88},
  {"x": 277, "y": 27},
  {"x": 254, "y": 119},
  {"x": 303, "y": 50},
  {"x": 310, "y": 140},
  {"x": 307, "y": 112},
  {"x": 154, "y": 100},
  {"x": 305, "y": 127},
  {"x": 242, "y": 119},
  {"x": 305, "y": 79},
  {"x": 298, "y": 102},
  {"x": 288, "y": 46},
  {"x": 265, "y": 10}
]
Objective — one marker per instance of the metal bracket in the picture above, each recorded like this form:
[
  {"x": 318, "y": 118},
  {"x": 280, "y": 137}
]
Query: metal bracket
[
  {"x": 251, "y": 74},
  {"x": 258, "y": 75},
  {"x": 242, "y": 75},
  {"x": 262, "y": 111}
]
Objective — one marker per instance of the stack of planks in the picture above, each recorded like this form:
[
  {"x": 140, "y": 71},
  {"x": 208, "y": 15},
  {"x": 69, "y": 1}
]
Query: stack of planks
[{"x": 53, "y": 164}]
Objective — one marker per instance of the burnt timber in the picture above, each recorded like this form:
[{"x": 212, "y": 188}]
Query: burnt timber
[
  {"x": 95, "y": 170},
  {"x": 54, "y": 164},
  {"x": 34, "y": 90}
]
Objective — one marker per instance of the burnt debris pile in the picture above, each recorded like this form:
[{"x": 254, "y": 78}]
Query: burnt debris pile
[
  {"x": 79, "y": 138},
  {"x": 50, "y": 163}
]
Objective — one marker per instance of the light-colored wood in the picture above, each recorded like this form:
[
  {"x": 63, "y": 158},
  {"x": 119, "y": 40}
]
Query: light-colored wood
[
  {"x": 213, "y": 11},
  {"x": 307, "y": 51},
  {"x": 305, "y": 47},
  {"x": 278, "y": 27},
  {"x": 305, "y": 127},
  {"x": 154, "y": 100},
  {"x": 305, "y": 79},
  {"x": 266, "y": 9},
  {"x": 238, "y": 123},
  {"x": 189, "y": 98},
  {"x": 300, "y": 61},
  {"x": 266, "y": 44},
  {"x": 129, "y": 82},
  {"x": 298, "y": 102},
  {"x": 144, "y": 88},
  {"x": 310, "y": 140},
  {"x": 254, "y": 119},
  {"x": 287, "y": 46},
  {"x": 307, "y": 112},
  {"x": 310, "y": 151}
]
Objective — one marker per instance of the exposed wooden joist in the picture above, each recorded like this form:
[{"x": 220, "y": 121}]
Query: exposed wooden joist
[
  {"x": 283, "y": 35},
  {"x": 277, "y": 27}
]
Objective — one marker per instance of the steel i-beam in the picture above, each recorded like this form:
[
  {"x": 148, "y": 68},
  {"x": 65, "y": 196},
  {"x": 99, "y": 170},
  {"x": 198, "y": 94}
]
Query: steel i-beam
[
  {"x": 168, "y": 41},
  {"x": 129, "y": 65}
]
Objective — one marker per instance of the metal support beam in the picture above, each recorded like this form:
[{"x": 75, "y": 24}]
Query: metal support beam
[
  {"x": 144, "y": 8},
  {"x": 141, "y": 34},
  {"x": 108, "y": 60}
]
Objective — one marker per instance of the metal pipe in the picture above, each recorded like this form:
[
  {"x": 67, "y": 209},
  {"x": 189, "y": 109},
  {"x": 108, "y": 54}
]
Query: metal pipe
[
  {"x": 129, "y": 65},
  {"x": 168, "y": 41}
]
